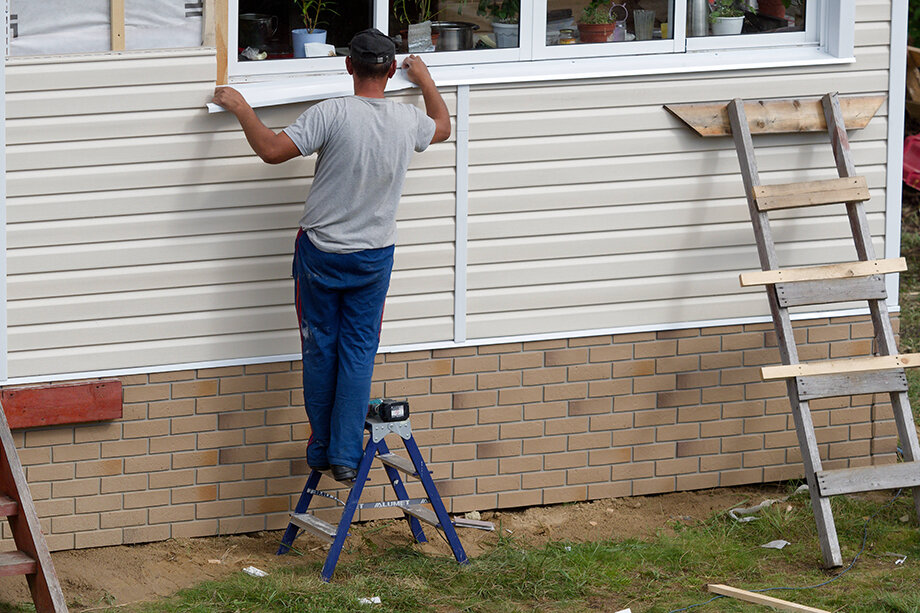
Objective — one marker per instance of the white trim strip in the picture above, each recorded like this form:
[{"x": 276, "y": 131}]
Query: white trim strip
[
  {"x": 4, "y": 347},
  {"x": 713, "y": 323},
  {"x": 461, "y": 212},
  {"x": 897, "y": 75}
]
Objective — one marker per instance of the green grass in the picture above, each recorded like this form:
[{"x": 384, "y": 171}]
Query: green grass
[{"x": 655, "y": 576}]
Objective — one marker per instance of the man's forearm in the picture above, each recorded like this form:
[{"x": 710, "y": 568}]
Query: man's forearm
[
  {"x": 260, "y": 137},
  {"x": 436, "y": 108}
]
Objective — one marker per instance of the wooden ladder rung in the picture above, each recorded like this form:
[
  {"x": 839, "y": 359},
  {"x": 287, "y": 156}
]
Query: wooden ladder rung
[
  {"x": 836, "y": 367},
  {"x": 843, "y": 270},
  {"x": 868, "y": 478},
  {"x": 829, "y": 291},
  {"x": 8, "y": 506},
  {"x": 423, "y": 513},
  {"x": 399, "y": 463},
  {"x": 810, "y": 193},
  {"x": 314, "y": 525},
  {"x": 851, "y": 384},
  {"x": 16, "y": 563}
]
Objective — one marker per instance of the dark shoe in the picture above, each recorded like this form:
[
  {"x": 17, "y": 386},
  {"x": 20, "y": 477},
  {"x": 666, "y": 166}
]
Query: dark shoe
[
  {"x": 321, "y": 469},
  {"x": 344, "y": 474}
]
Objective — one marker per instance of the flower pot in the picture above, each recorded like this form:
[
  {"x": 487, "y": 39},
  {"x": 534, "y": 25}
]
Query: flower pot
[
  {"x": 724, "y": 26},
  {"x": 302, "y": 35},
  {"x": 595, "y": 32},
  {"x": 506, "y": 34},
  {"x": 772, "y": 8}
]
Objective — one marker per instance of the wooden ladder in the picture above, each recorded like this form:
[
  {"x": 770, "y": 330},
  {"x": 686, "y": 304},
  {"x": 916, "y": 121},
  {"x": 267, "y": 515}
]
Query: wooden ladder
[
  {"x": 834, "y": 283},
  {"x": 32, "y": 558}
]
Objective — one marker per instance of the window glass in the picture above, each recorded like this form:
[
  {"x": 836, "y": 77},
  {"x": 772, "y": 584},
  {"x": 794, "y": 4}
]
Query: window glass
[
  {"x": 282, "y": 29},
  {"x": 427, "y": 26},
  {"x": 570, "y": 22},
  {"x": 84, "y": 26},
  {"x": 731, "y": 17}
]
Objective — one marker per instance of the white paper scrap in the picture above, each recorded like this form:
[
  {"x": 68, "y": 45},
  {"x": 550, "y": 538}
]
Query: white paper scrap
[
  {"x": 255, "y": 572},
  {"x": 625, "y": 611},
  {"x": 371, "y": 600},
  {"x": 777, "y": 544}
]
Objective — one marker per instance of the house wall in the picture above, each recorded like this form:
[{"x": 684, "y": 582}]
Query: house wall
[{"x": 143, "y": 236}]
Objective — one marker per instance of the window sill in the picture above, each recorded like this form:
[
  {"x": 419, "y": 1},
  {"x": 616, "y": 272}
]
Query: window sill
[{"x": 316, "y": 87}]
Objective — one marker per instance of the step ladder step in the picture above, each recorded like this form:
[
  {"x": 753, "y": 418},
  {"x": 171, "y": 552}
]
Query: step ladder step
[
  {"x": 810, "y": 193},
  {"x": 16, "y": 563},
  {"x": 851, "y": 384},
  {"x": 836, "y": 367},
  {"x": 828, "y": 291},
  {"x": 314, "y": 525},
  {"x": 868, "y": 478},
  {"x": 422, "y": 513},
  {"x": 398, "y": 462},
  {"x": 8, "y": 506},
  {"x": 843, "y": 270}
]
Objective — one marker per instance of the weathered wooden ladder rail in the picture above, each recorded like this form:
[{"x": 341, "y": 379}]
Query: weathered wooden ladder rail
[{"x": 833, "y": 283}]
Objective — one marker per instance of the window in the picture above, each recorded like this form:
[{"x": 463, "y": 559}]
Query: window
[
  {"x": 53, "y": 27},
  {"x": 489, "y": 34}
]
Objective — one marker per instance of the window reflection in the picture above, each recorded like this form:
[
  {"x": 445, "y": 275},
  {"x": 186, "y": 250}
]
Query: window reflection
[
  {"x": 607, "y": 21},
  {"x": 732, "y": 17},
  {"x": 425, "y": 26}
]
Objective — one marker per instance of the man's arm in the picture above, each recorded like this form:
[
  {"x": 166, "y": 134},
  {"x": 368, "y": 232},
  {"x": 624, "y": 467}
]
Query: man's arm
[
  {"x": 435, "y": 107},
  {"x": 271, "y": 147}
]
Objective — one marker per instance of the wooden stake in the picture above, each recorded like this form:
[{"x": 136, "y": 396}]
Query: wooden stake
[
  {"x": 775, "y": 603},
  {"x": 221, "y": 17},
  {"x": 117, "y": 16}
]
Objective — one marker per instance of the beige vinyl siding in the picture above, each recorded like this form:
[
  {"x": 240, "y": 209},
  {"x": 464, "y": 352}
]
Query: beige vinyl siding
[
  {"x": 142, "y": 232},
  {"x": 591, "y": 207}
]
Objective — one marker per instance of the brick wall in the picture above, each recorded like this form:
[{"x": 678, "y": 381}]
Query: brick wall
[{"x": 221, "y": 451}]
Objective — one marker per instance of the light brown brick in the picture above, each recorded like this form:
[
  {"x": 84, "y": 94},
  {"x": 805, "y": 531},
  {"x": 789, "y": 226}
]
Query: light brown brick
[
  {"x": 565, "y": 357},
  {"x": 77, "y": 487},
  {"x": 593, "y": 406},
  {"x": 220, "y": 372},
  {"x": 195, "y": 528},
  {"x": 146, "y": 429},
  {"x": 544, "y": 376},
  {"x": 520, "y": 464},
  {"x": 610, "y": 353},
  {"x": 239, "y": 455},
  {"x": 453, "y": 453},
  {"x": 50, "y": 472},
  {"x": 721, "y": 360},
  {"x": 696, "y": 482},
  {"x": 167, "y": 444},
  {"x": 615, "y": 421},
  {"x": 634, "y": 337},
  {"x": 616, "y": 455},
  {"x": 518, "y": 361},
  {"x": 551, "y": 444},
  {"x": 572, "y": 493},
  {"x": 654, "y": 418},
  {"x": 241, "y": 489},
  {"x": 524, "y": 395},
  {"x": 498, "y": 449},
  {"x": 99, "y": 468},
  {"x": 267, "y": 434},
  {"x": 655, "y": 383},
  {"x": 635, "y": 402},
  {"x": 453, "y": 352},
  {"x": 546, "y": 410},
  {"x": 678, "y": 432},
  {"x": 633, "y": 436},
  {"x": 681, "y": 364},
  {"x": 740, "y": 477},
  {"x": 542, "y": 479},
  {"x": 217, "y": 404},
  {"x": 765, "y": 457},
  {"x": 97, "y": 504},
  {"x": 657, "y": 451},
  {"x": 253, "y": 369},
  {"x": 609, "y": 387},
  {"x": 590, "y": 474},
  {"x": 120, "y": 519},
  {"x": 171, "y": 408},
  {"x": 49, "y": 436},
  {"x": 145, "y": 393},
  {"x": 699, "y": 447},
  {"x": 408, "y": 387},
  {"x": 699, "y": 345},
  {"x": 848, "y": 349},
  {"x": 467, "y": 400},
  {"x": 658, "y": 485},
  {"x": 678, "y": 466},
  {"x": 453, "y": 419},
  {"x": 147, "y": 464},
  {"x": 75, "y": 453},
  {"x": 508, "y": 500},
  {"x": 266, "y": 400},
  {"x": 144, "y": 500},
  {"x": 123, "y": 483},
  {"x": 497, "y": 415},
  {"x": 479, "y": 364},
  {"x": 555, "y": 461},
  {"x": 594, "y": 440}
]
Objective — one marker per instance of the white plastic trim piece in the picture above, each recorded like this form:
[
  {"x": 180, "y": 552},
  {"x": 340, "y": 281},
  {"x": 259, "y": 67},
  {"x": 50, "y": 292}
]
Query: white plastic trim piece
[
  {"x": 435, "y": 345},
  {"x": 461, "y": 244},
  {"x": 320, "y": 86},
  {"x": 4, "y": 347},
  {"x": 897, "y": 75}
]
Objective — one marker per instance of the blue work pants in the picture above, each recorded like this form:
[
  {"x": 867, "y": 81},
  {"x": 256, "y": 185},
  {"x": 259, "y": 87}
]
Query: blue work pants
[{"x": 339, "y": 298}]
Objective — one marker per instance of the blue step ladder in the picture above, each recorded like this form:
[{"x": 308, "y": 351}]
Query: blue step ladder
[{"x": 393, "y": 464}]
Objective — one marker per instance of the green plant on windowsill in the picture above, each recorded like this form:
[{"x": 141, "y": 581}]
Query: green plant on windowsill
[
  {"x": 310, "y": 11},
  {"x": 425, "y": 8},
  {"x": 728, "y": 8},
  {"x": 501, "y": 11},
  {"x": 598, "y": 12}
]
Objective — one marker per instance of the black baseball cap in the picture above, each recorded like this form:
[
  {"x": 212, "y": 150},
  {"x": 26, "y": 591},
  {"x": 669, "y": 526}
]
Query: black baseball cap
[{"x": 372, "y": 46}]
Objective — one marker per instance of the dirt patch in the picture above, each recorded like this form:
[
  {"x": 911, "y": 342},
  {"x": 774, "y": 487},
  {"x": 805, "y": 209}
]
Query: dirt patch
[{"x": 108, "y": 576}]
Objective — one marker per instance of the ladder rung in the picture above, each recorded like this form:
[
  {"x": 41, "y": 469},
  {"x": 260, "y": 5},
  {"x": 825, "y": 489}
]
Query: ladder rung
[
  {"x": 868, "y": 478},
  {"x": 309, "y": 522},
  {"x": 811, "y": 193},
  {"x": 845, "y": 270},
  {"x": 423, "y": 513},
  {"x": 831, "y": 290},
  {"x": 835, "y": 367},
  {"x": 8, "y": 506},
  {"x": 399, "y": 463},
  {"x": 16, "y": 563},
  {"x": 850, "y": 384}
]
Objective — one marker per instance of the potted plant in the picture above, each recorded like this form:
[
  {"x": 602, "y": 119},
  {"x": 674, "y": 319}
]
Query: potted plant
[
  {"x": 505, "y": 15},
  {"x": 727, "y": 17},
  {"x": 310, "y": 11},
  {"x": 417, "y": 16},
  {"x": 598, "y": 22}
]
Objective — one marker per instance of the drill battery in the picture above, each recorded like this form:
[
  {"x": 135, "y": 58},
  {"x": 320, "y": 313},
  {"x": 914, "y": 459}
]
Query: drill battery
[{"x": 387, "y": 409}]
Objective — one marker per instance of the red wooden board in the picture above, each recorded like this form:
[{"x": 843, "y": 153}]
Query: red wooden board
[{"x": 64, "y": 403}]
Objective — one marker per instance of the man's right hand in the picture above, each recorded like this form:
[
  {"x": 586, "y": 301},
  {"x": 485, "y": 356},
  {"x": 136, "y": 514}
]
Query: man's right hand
[
  {"x": 230, "y": 99},
  {"x": 416, "y": 70}
]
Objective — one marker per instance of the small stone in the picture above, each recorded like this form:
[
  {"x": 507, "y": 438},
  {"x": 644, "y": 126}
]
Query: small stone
[
  {"x": 475, "y": 515},
  {"x": 593, "y": 523},
  {"x": 904, "y": 519}
]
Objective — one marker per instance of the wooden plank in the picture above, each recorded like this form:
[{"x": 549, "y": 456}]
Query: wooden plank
[
  {"x": 8, "y": 506},
  {"x": 423, "y": 513},
  {"x": 775, "y": 116},
  {"x": 849, "y": 384},
  {"x": 869, "y": 478},
  {"x": 221, "y": 16},
  {"x": 67, "y": 403},
  {"x": 843, "y": 270},
  {"x": 827, "y": 291},
  {"x": 314, "y": 525},
  {"x": 117, "y": 18},
  {"x": 811, "y": 193},
  {"x": 16, "y": 563},
  {"x": 208, "y": 23},
  {"x": 913, "y": 80},
  {"x": 399, "y": 463},
  {"x": 837, "y": 367},
  {"x": 767, "y": 601}
]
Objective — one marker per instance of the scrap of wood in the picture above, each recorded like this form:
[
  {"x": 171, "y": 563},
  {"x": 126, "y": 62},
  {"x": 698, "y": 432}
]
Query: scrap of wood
[
  {"x": 844, "y": 270},
  {"x": 221, "y": 15},
  {"x": 775, "y": 603},
  {"x": 832, "y": 367},
  {"x": 208, "y": 22},
  {"x": 810, "y": 193},
  {"x": 776, "y": 116},
  {"x": 868, "y": 478},
  {"x": 117, "y": 17}
]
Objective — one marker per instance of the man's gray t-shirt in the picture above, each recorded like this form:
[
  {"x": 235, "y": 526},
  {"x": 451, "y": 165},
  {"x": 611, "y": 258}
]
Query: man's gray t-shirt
[{"x": 364, "y": 147}]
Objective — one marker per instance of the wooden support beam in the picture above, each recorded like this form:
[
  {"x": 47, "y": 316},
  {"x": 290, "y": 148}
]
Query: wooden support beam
[
  {"x": 868, "y": 478},
  {"x": 221, "y": 16},
  {"x": 767, "y": 601},
  {"x": 844, "y": 270},
  {"x": 776, "y": 116},
  {"x": 117, "y": 18},
  {"x": 836, "y": 367},
  {"x": 810, "y": 193}
]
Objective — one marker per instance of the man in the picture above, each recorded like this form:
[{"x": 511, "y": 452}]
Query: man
[{"x": 344, "y": 250}]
